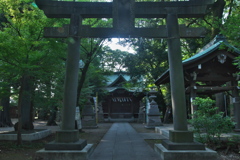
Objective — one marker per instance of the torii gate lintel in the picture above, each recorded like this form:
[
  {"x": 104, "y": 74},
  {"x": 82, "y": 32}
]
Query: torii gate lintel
[
  {"x": 88, "y": 32},
  {"x": 123, "y": 13}
]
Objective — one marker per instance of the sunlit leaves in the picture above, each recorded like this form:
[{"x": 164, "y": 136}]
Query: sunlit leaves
[{"x": 24, "y": 51}]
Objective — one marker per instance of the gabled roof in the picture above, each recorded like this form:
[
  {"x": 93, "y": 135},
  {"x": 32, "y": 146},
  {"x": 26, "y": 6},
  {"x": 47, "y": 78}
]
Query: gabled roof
[
  {"x": 117, "y": 78},
  {"x": 214, "y": 45},
  {"x": 112, "y": 89},
  {"x": 218, "y": 42}
]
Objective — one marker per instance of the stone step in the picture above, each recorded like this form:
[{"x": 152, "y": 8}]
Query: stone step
[
  {"x": 165, "y": 154},
  {"x": 163, "y": 132},
  {"x": 38, "y": 134}
]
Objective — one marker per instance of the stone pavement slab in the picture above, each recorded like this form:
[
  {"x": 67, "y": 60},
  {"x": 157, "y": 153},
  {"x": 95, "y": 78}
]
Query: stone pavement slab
[
  {"x": 151, "y": 136},
  {"x": 122, "y": 142}
]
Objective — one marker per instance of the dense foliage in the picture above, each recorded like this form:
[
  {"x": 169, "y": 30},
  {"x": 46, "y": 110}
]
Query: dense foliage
[
  {"x": 30, "y": 62},
  {"x": 208, "y": 123}
]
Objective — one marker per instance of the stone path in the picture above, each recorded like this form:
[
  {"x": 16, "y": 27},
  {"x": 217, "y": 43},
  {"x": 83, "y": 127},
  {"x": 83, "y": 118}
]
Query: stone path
[{"x": 122, "y": 142}]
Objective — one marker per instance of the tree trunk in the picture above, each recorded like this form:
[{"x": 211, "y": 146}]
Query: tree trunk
[
  {"x": 220, "y": 102},
  {"x": 25, "y": 104},
  {"x": 27, "y": 122},
  {"x": 81, "y": 81},
  {"x": 218, "y": 8},
  {"x": 160, "y": 100},
  {"x": 18, "y": 125},
  {"x": 5, "y": 119}
]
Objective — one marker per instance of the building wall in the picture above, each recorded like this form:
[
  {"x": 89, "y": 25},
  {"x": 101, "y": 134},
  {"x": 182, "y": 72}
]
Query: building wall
[{"x": 121, "y": 104}]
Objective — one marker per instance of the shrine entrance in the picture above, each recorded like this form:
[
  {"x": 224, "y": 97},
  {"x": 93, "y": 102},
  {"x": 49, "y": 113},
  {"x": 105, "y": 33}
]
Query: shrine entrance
[
  {"x": 123, "y": 13},
  {"x": 122, "y": 105}
]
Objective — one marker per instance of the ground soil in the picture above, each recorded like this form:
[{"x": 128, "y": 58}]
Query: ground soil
[{"x": 10, "y": 151}]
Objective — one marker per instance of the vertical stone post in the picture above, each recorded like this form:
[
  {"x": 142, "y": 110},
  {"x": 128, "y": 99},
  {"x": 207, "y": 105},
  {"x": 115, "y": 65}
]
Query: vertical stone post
[
  {"x": 180, "y": 133},
  {"x": 88, "y": 114},
  {"x": 100, "y": 113},
  {"x": 68, "y": 137},
  {"x": 176, "y": 74},
  {"x": 193, "y": 95},
  {"x": 236, "y": 105},
  {"x": 68, "y": 132},
  {"x": 220, "y": 102},
  {"x": 71, "y": 79}
]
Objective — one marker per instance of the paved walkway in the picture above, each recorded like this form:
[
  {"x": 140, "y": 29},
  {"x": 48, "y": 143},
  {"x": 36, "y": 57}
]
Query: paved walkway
[{"x": 122, "y": 142}]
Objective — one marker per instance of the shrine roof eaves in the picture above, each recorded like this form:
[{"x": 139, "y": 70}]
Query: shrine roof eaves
[
  {"x": 114, "y": 78},
  {"x": 208, "y": 49}
]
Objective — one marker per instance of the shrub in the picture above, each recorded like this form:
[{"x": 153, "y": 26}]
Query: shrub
[{"x": 207, "y": 120}]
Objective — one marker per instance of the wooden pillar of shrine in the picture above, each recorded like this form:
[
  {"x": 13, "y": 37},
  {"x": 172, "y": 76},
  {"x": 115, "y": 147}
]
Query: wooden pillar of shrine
[
  {"x": 236, "y": 105},
  {"x": 193, "y": 95}
]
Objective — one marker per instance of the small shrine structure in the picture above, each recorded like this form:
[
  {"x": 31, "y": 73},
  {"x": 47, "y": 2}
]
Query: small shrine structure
[
  {"x": 211, "y": 71},
  {"x": 121, "y": 103}
]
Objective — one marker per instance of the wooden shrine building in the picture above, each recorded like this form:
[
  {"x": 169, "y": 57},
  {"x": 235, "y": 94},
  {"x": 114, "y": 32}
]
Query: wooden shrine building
[
  {"x": 210, "y": 71},
  {"x": 121, "y": 103}
]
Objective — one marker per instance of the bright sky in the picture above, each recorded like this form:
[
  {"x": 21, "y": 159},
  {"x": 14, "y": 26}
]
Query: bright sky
[{"x": 114, "y": 46}]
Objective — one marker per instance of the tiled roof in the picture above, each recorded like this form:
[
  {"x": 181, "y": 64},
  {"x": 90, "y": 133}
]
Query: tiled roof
[
  {"x": 206, "y": 50},
  {"x": 114, "y": 77}
]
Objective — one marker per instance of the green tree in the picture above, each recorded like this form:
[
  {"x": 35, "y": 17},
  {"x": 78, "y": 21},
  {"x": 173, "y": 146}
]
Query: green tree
[
  {"x": 88, "y": 55},
  {"x": 26, "y": 57},
  {"x": 112, "y": 60}
]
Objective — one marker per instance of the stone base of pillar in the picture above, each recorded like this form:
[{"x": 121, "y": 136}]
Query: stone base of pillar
[
  {"x": 180, "y": 136},
  {"x": 169, "y": 145},
  {"x": 181, "y": 145},
  {"x": 83, "y": 154},
  {"x": 67, "y": 136},
  {"x": 166, "y": 154}
]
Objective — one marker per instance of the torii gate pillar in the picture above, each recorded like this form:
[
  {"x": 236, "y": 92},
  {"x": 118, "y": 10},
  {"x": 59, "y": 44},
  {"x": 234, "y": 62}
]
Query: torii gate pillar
[
  {"x": 68, "y": 137},
  {"x": 180, "y": 132},
  {"x": 181, "y": 143}
]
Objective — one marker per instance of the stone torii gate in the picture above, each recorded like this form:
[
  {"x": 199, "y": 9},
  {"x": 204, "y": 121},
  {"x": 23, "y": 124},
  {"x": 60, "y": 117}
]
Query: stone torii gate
[{"x": 124, "y": 13}]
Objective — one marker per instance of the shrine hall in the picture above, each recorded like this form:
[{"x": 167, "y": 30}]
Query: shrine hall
[
  {"x": 121, "y": 103},
  {"x": 211, "y": 71}
]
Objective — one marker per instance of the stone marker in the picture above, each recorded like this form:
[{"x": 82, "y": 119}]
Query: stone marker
[
  {"x": 100, "y": 113},
  {"x": 141, "y": 114},
  {"x": 78, "y": 124},
  {"x": 88, "y": 115}
]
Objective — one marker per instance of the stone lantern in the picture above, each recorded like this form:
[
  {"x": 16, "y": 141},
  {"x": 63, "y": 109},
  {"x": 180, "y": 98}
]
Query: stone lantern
[{"x": 153, "y": 118}]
